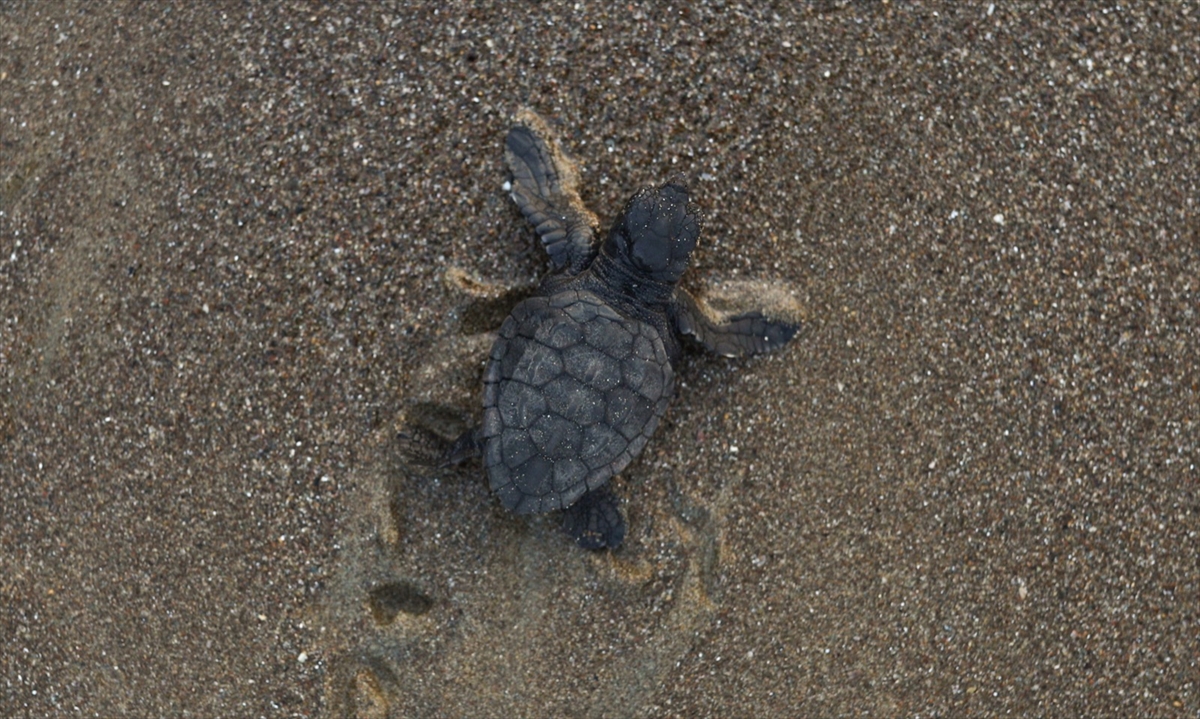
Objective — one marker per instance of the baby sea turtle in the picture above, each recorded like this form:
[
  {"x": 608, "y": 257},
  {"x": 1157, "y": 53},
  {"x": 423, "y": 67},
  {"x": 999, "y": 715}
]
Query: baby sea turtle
[{"x": 582, "y": 371}]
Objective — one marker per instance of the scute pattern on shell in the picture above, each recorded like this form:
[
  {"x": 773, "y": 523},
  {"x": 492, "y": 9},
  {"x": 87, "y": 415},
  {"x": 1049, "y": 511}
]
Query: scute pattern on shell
[{"x": 572, "y": 392}]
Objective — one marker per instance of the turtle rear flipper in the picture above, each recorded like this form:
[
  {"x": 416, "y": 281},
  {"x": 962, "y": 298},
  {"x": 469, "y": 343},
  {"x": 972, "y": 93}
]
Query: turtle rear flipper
[
  {"x": 746, "y": 333},
  {"x": 468, "y": 445},
  {"x": 545, "y": 187},
  {"x": 594, "y": 521}
]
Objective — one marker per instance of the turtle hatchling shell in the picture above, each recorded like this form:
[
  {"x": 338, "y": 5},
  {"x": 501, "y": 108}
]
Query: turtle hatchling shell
[{"x": 572, "y": 391}]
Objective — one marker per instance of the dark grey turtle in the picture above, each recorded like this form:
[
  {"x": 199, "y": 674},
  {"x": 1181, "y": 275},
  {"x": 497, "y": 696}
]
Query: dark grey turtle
[{"x": 582, "y": 371}]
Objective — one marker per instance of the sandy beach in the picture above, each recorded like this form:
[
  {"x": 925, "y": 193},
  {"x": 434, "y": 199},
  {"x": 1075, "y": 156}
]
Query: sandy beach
[{"x": 227, "y": 342}]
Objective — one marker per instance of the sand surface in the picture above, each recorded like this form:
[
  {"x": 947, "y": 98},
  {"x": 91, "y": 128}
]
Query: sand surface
[{"x": 969, "y": 488}]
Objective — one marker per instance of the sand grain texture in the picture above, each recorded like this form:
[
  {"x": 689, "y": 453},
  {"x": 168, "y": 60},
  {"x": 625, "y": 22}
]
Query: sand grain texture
[{"x": 969, "y": 488}]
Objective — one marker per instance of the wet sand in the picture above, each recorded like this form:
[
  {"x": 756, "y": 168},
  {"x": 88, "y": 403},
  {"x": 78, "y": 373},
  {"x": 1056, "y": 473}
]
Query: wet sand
[{"x": 969, "y": 488}]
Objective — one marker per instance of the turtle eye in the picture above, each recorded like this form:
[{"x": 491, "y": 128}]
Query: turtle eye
[
  {"x": 689, "y": 232},
  {"x": 618, "y": 239}
]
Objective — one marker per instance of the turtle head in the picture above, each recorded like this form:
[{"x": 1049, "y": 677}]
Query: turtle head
[{"x": 656, "y": 233}]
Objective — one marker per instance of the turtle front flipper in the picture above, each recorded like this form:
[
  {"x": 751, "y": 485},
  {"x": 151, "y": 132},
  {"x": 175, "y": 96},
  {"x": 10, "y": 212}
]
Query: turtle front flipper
[
  {"x": 545, "y": 187},
  {"x": 738, "y": 335},
  {"x": 594, "y": 521}
]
